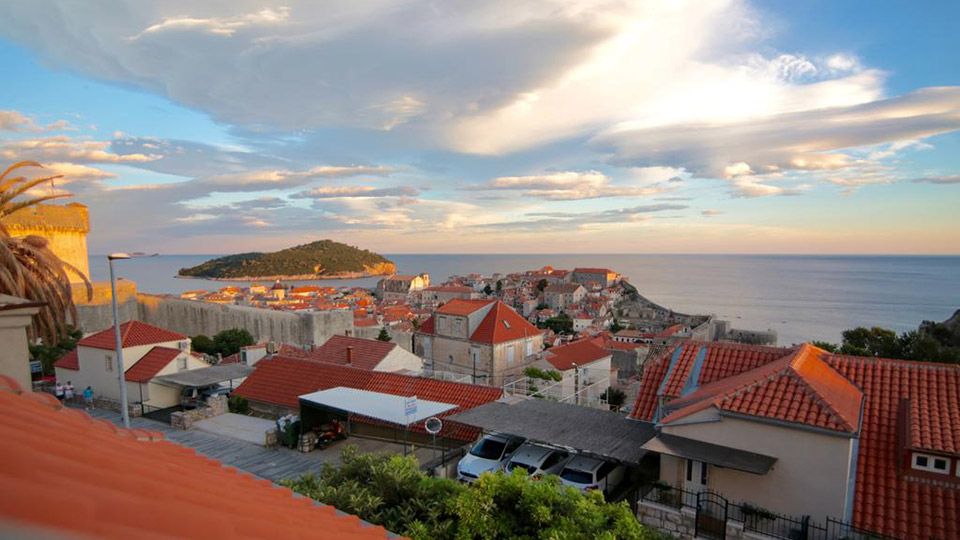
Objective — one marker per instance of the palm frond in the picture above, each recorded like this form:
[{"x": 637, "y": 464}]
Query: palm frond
[{"x": 28, "y": 268}]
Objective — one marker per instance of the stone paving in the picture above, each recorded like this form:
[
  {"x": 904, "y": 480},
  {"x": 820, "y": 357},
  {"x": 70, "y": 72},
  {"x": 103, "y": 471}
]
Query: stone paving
[{"x": 273, "y": 464}]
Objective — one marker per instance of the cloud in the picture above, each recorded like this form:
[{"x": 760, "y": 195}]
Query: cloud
[
  {"x": 62, "y": 148},
  {"x": 282, "y": 178},
  {"x": 334, "y": 192},
  {"x": 942, "y": 180},
  {"x": 571, "y": 221},
  {"x": 811, "y": 140},
  {"x": 226, "y": 26},
  {"x": 18, "y": 122},
  {"x": 711, "y": 213},
  {"x": 567, "y": 186},
  {"x": 749, "y": 187}
]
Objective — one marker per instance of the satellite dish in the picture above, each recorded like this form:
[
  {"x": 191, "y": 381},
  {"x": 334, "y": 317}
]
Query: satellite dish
[{"x": 433, "y": 425}]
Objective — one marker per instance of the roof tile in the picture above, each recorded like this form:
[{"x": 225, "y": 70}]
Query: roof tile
[
  {"x": 133, "y": 334},
  {"x": 64, "y": 474}
]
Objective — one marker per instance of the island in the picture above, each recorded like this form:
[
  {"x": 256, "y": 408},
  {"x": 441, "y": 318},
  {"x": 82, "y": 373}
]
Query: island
[{"x": 323, "y": 259}]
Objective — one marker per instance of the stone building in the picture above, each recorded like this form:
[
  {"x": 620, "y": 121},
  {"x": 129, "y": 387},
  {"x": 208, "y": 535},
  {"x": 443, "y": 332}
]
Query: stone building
[
  {"x": 484, "y": 339},
  {"x": 64, "y": 227}
]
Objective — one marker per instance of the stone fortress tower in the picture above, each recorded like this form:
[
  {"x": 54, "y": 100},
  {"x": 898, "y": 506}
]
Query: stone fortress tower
[{"x": 65, "y": 227}]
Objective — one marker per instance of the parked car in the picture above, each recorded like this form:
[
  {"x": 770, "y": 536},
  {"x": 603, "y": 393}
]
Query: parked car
[
  {"x": 586, "y": 473},
  {"x": 537, "y": 460},
  {"x": 489, "y": 454},
  {"x": 191, "y": 398}
]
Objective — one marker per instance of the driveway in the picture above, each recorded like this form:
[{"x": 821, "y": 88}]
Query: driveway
[{"x": 238, "y": 426}]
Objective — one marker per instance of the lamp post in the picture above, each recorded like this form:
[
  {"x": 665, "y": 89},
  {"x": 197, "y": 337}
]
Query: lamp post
[{"x": 125, "y": 414}]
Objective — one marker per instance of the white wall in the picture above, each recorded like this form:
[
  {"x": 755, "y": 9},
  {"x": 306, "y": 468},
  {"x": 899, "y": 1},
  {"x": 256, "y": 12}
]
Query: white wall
[
  {"x": 809, "y": 477},
  {"x": 400, "y": 359}
]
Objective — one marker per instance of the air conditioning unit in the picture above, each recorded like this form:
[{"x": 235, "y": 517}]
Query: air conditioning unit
[
  {"x": 271, "y": 347},
  {"x": 185, "y": 345}
]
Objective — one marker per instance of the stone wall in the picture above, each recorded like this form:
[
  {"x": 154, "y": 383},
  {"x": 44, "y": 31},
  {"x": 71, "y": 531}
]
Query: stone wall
[
  {"x": 215, "y": 406},
  {"x": 64, "y": 226},
  {"x": 682, "y": 523},
  {"x": 191, "y": 317}
]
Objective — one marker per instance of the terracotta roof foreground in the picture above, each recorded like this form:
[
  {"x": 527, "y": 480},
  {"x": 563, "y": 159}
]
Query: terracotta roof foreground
[
  {"x": 65, "y": 473},
  {"x": 132, "y": 334}
]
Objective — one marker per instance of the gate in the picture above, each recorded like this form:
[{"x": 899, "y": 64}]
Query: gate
[{"x": 711, "y": 519}]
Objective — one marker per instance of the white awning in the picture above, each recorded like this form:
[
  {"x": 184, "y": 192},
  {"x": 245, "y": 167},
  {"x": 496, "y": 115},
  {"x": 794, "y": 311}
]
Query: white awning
[{"x": 401, "y": 410}]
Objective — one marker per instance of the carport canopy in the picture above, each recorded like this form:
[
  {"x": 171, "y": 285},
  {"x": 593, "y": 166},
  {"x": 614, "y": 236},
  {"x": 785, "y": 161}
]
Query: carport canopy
[
  {"x": 598, "y": 432},
  {"x": 209, "y": 376},
  {"x": 714, "y": 454},
  {"x": 386, "y": 407}
]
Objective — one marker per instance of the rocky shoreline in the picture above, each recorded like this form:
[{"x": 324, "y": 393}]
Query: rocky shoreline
[{"x": 303, "y": 277}]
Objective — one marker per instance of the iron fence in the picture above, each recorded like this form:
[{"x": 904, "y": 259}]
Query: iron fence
[{"x": 761, "y": 520}]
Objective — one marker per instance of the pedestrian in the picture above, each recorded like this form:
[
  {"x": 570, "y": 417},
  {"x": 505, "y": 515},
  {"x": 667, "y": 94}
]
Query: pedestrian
[
  {"x": 58, "y": 391},
  {"x": 88, "y": 397},
  {"x": 68, "y": 393}
]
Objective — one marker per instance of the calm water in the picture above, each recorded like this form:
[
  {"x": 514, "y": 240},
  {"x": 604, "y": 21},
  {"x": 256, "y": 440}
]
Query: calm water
[{"x": 801, "y": 297}]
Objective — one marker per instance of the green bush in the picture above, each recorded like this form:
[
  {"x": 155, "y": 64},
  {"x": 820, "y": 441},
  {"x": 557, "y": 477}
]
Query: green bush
[
  {"x": 238, "y": 405},
  {"x": 390, "y": 490},
  {"x": 545, "y": 374}
]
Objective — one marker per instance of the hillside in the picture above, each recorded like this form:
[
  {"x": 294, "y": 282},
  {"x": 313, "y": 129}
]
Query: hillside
[{"x": 316, "y": 260}]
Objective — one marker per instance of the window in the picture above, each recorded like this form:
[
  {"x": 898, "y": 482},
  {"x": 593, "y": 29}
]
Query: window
[
  {"x": 511, "y": 353},
  {"x": 182, "y": 363},
  {"x": 108, "y": 362},
  {"x": 935, "y": 464}
]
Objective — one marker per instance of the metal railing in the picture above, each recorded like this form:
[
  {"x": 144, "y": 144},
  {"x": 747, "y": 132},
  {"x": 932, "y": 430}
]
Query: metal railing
[{"x": 760, "y": 520}]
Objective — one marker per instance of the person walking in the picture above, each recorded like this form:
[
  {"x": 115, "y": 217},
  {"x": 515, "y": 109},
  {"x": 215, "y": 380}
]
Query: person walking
[
  {"x": 68, "y": 393},
  {"x": 58, "y": 391},
  {"x": 88, "y": 397}
]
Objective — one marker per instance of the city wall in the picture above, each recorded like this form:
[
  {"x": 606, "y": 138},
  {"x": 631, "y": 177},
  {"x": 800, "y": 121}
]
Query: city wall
[{"x": 192, "y": 317}]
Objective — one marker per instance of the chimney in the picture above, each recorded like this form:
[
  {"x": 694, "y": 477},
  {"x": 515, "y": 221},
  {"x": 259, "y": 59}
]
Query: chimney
[
  {"x": 347, "y": 333},
  {"x": 349, "y": 356}
]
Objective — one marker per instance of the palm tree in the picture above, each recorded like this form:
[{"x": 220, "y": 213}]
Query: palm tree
[{"x": 28, "y": 269}]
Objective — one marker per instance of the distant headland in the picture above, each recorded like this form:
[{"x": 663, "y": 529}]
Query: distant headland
[{"x": 323, "y": 259}]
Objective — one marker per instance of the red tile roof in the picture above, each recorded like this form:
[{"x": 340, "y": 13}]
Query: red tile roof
[
  {"x": 721, "y": 360},
  {"x": 69, "y": 361},
  {"x": 66, "y": 474},
  {"x": 800, "y": 388},
  {"x": 462, "y": 307},
  {"x": 580, "y": 352},
  {"x": 132, "y": 334},
  {"x": 887, "y": 500},
  {"x": 147, "y": 367},
  {"x": 593, "y": 271},
  {"x": 503, "y": 324},
  {"x": 427, "y": 326},
  {"x": 367, "y": 353},
  {"x": 280, "y": 380}
]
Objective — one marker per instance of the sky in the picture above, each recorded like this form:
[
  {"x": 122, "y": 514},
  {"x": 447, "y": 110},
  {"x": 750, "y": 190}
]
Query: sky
[{"x": 514, "y": 126}]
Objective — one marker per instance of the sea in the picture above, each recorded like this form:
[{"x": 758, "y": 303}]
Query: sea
[{"x": 802, "y": 297}]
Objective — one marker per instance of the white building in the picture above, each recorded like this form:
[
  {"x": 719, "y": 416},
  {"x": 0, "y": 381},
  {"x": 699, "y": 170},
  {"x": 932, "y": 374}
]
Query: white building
[{"x": 148, "y": 352}]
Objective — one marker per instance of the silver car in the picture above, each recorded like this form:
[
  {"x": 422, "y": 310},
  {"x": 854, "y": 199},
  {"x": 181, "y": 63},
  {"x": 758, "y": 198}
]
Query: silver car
[
  {"x": 537, "y": 460},
  {"x": 587, "y": 473}
]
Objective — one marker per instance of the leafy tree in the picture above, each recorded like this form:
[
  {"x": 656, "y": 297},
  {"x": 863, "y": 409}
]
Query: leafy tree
[
  {"x": 499, "y": 286},
  {"x": 203, "y": 344},
  {"x": 49, "y": 354},
  {"x": 512, "y": 506},
  {"x": 238, "y": 404},
  {"x": 383, "y": 335},
  {"x": 827, "y": 346},
  {"x": 542, "y": 284},
  {"x": 615, "y": 326},
  {"x": 874, "y": 341},
  {"x": 390, "y": 490},
  {"x": 230, "y": 341},
  {"x": 546, "y": 374},
  {"x": 561, "y": 324},
  {"x": 487, "y": 290},
  {"x": 28, "y": 268},
  {"x": 615, "y": 398}
]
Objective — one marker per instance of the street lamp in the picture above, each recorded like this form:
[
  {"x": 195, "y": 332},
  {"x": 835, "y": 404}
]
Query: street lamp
[{"x": 125, "y": 414}]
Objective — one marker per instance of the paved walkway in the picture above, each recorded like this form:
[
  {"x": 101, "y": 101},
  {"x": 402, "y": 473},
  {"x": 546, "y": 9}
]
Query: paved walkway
[
  {"x": 238, "y": 426},
  {"x": 273, "y": 464}
]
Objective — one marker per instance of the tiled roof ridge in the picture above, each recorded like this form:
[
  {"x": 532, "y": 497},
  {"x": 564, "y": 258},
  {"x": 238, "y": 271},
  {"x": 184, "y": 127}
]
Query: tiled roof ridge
[
  {"x": 10, "y": 385},
  {"x": 920, "y": 364}
]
